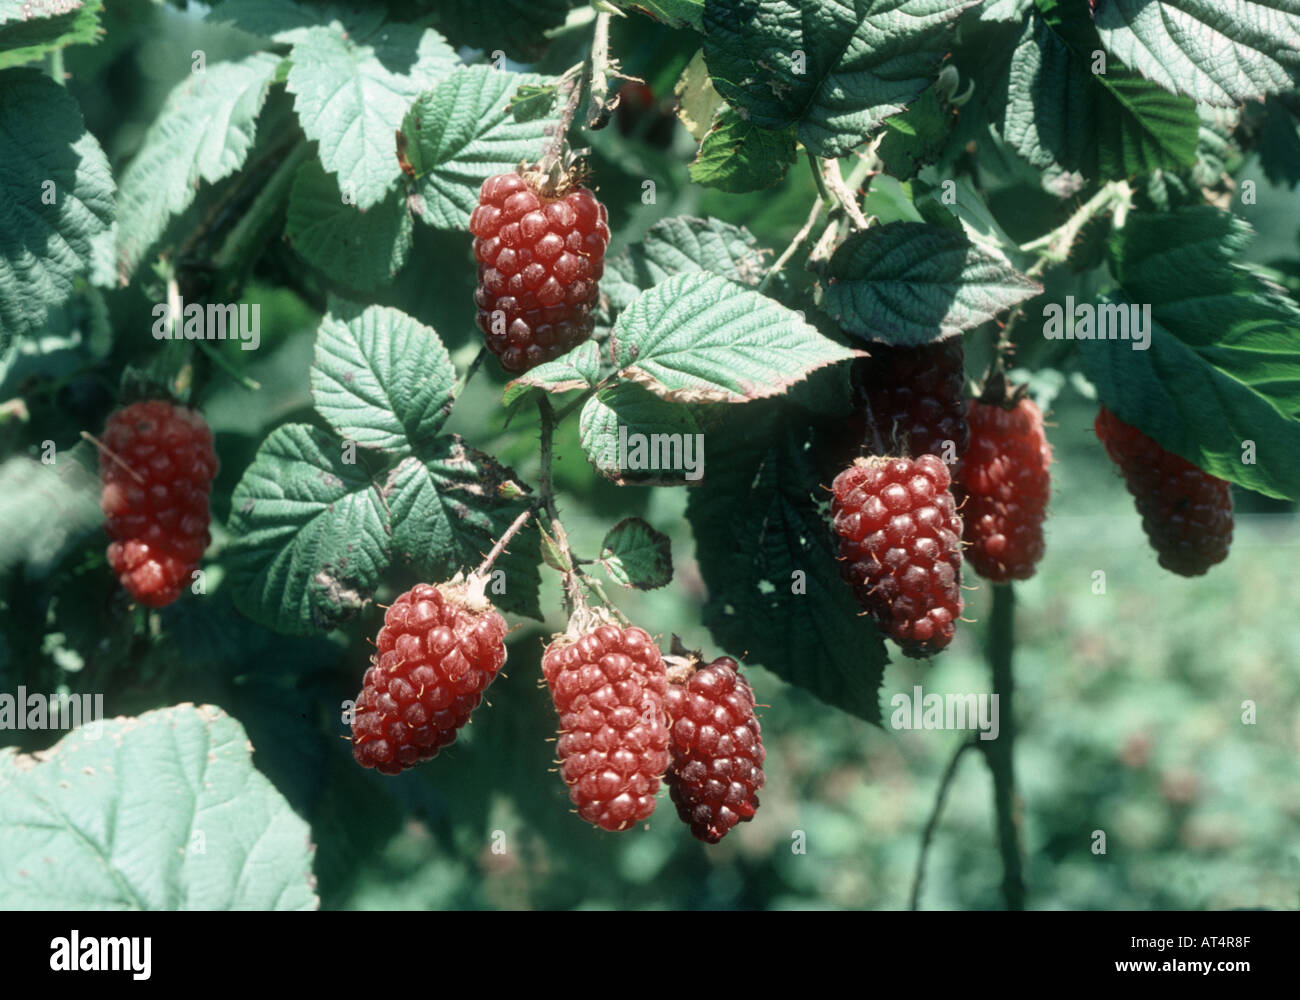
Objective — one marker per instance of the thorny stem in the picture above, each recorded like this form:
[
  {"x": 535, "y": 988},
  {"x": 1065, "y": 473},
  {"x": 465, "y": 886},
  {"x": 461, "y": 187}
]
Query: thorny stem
[
  {"x": 1054, "y": 247},
  {"x": 573, "y": 88},
  {"x": 940, "y": 797},
  {"x": 573, "y": 597},
  {"x": 597, "y": 108},
  {"x": 999, "y": 753},
  {"x": 503, "y": 541},
  {"x": 844, "y": 196}
]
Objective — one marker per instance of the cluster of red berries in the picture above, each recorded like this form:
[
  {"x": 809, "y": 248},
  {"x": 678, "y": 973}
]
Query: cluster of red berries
[{"x": 540, "y": 245}]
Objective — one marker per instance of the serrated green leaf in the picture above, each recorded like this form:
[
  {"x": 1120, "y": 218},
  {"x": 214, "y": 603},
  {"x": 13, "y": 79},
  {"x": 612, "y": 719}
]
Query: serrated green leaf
[
  {"x": 699, "y": 337},
  {"x": 459, "y": 134},
  {"x": 1057, "y": 113},
  {"x": 834, "y": 69},
  {"x": 350, "y": 97},
  {"x": 698, "y": 101},
  {"x": 1217, "y": 52},
  {"x": 635, "y": 555},
  {"x": 357, "y": 249},
  {"x": 160, "y": 812},
  {"x": 448, "y": 512},
  {"x": 381, "y": 378},
  {"x": 738, "y": 156},
  {"x": 767, "y": 556},
  {"x": 679, "y": 245},
  {"x": 309, "y": 534},
  {"x": 165, "y": 172},
  {"x": 915, "y": 137},
  {"x": 56, "y": 199},
  {"x": 516, "y": 27},
  {"x": 29, "y": 31},
  {"x": 579, "y": 369},
  {"x": 914, "y": 283},
  {"x": 1222, "y": 367},
  {"x": 634, "y": 438}
]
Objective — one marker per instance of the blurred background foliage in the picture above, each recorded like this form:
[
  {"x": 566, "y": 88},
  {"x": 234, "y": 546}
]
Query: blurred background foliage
[{"x": 1129, "y": 702}]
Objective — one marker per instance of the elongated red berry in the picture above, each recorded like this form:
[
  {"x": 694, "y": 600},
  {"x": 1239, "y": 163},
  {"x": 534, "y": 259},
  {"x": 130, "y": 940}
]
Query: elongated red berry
[
  {"x": 716, "y": 748},
  {"x": 156, "y": 467},
  {"x": 1186, "y": 513},
  {"x": 540, "y": 252},
  {"x": 1006, "y": 484},
  {"x": 914, "y": 397},
  {"x": 437, "y": 652},
  {"x": 900, "y": 546},
  {"x": 608, "y": 687}
]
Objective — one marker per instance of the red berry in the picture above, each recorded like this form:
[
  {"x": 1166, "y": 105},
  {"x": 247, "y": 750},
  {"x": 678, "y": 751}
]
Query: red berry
[
  {"x": 156, "y": 465},
  {"x": 717, "y": 751},
  {"x": 900, "y": 542},
  {"x": 438, "y": 650},
  {"x": 914, "y": 397},
  {"x": 540, "y": 257},
  {"x": 1187, "y": 513},
  {"x": 608, "y": 687},
  {"x": 1004, "y": 477}
]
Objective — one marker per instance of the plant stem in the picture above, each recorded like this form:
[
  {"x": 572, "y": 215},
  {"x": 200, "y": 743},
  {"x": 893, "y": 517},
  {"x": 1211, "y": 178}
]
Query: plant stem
[
  {"x": 795, "y": 243},
  {"x": 1054, "y": 247},
  {"x": 573, "y": 598},
  {"x": 474, "y": 366},
  {"x": 818, "y": 178},
  {"x": 843, "y": 196},
  {"x": 1000, "y": 753},
  {"x": 940, "y": 797},
  {"x": 503, "y": 541},
  {"x": 255, "y": 225},
  {"x": 597, "y": 109}
]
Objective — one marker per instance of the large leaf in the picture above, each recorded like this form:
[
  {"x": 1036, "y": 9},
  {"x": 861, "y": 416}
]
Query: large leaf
[
  {"x": 448, "y": 511},
  {"x": 1223, "y": 366},
  {"x": 56, "y": 198},
  {"x": 1055, "y": 111},
  {"x": 739, "y": 156},
  {"x": 355, "y": 248},
  {"x": 381, "y": 378},
  {"x": 175, "y": 156},
  {"x": 913, "y": 283},
  {"x": 767, "y": 556},
  {"x": 160, "y": 812},
  {"x": 631, "y": 436},
  {"x": 350, "y": 97},
  {"x": 676, "y": 13},
  {"x": 836, "y": 69},
  {"x": 30, "y": 30},
  {"x": 677, "y": 245},
  {"x": 310, "y": 534},
  {"x": 459, "y": 134},
  {"x": 698, "y": 337},
  {"x": 1218, "y": 52}
]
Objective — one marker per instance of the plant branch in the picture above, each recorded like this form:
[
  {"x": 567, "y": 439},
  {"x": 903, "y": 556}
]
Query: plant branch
[
  {"x": 573, "y": 598},
  {"x": 1000, "y": 753},
  {"x": 1054, "y": 247},
  {"x": 598, "y": 107},
  {"x": 503, "y": 541},
  {"x": 940, "y": 797},
  {"x": 843, "y": 195},
  {"x": 818, "y": 178},
  {"x": 795, "y": 243}
]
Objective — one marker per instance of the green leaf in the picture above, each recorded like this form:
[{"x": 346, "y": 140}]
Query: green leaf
[
  {"x": 350, "y": 98},
  {"x": 310, "y": 534},
  {"x": 738, "y": 156},
  {"x": 634, "y": 438},
  {"x": 914, "y": 283},
  {"x": 698, "y": 337},
  {"x": 459, "y": 134},
  {"x": 1222, "y": 367},
  {"x": 635, "y": 555},
  {"x": 680, "y": 245},
  {"x": 29, "y": 30},
  {"x": 164, "y": 811},
  {"x": 357, "y": 249},
  {"x": 448, "y": 511},
  {"x": 579, "y": 369},
  {"x": 517, "y": 27},
  {"x": 1056, "y": 112},
  {"x": 674, "y": 13},
  {"x": 164, "y": 174},
  {"x": 759, "y": 538},
  {"x": 917, "y": 136},
  {"x": 56, "y": 198},
  {"x": 1279, "y": 145},
  {"x": 835, "y": 69},
  {"x": 381, "y": 378},
  {"x": 1218, "y": 52}
]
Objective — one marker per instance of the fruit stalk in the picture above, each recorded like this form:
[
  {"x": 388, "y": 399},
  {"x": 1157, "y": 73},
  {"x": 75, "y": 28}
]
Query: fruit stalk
[{"x": 999, "y": 753}]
